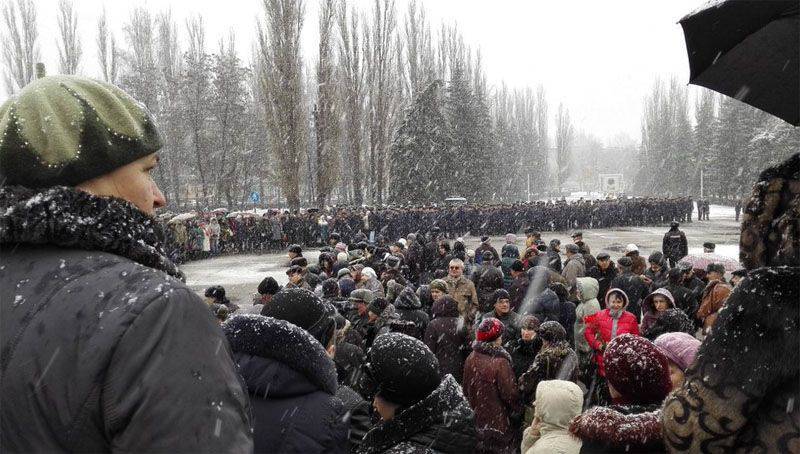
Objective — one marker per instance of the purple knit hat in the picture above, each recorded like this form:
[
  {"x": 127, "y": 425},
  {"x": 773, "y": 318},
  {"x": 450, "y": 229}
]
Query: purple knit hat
[{"x": 680, "y": 348}]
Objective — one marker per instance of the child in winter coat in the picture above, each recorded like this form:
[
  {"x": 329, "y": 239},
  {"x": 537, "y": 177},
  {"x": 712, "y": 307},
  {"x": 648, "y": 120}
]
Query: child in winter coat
[
  {"x": 681, "y": 350},
  {"x": 557, "y": 403}
]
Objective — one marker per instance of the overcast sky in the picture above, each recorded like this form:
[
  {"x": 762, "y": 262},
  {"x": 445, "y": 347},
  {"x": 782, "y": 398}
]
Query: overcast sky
[{"x": 598, "y": 57}]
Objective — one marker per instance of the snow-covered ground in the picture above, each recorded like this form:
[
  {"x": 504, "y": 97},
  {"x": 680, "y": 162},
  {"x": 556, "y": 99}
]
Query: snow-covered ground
[{"x": 241, "y": 274}]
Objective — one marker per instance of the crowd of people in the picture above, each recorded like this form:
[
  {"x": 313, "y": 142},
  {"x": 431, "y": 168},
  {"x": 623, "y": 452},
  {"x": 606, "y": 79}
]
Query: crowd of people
[
  {"x": 550, "y": 347},
  {"x": 214, "y": 232},
  {"x": 409, "y": 343}
]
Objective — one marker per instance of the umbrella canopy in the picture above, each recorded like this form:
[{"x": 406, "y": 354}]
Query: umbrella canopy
[
  {"x": 748, "y": 50},
  {"x": 701, "y": 261},
  {"x": 183, "y": 217}
]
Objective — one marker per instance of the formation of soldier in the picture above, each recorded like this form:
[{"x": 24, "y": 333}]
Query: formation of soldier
[{"x": 213, "y": 233}]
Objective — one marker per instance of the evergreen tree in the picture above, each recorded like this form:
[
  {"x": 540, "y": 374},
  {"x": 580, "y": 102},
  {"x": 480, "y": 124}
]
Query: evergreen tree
[{"x": 419, "y": 151}]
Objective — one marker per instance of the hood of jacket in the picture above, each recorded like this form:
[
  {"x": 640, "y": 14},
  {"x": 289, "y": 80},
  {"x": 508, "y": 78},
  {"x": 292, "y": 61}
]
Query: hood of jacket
[
  {"x": 620, "y": 291},
  {"x": 589, "y": 288},
  {"x": 277, "y": 358},
  {"x": 621, "y": 428},
  {"x": 70, "y": 218},
  {"x": 647, "y": 304},
  {"x": 558, "y": 402},
  {"x": 445, "y": 410}
]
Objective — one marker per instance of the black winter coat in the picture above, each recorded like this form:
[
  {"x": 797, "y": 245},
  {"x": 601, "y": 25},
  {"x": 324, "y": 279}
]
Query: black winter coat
[
  {"x": 359, "y": 414},
  {"x": 443, "y": 422},
  {"x": 103, "y": 349},
  {"x": 523, "y": 353},
  {"x": 636, "y": 290},
  {"x": 411, "y": 310},
  {"x": 447, "y": 338},
  {"x": 292, "y": 386},
  {"x": 604, "y": 279},
  {"x": 348, "y": 359}
]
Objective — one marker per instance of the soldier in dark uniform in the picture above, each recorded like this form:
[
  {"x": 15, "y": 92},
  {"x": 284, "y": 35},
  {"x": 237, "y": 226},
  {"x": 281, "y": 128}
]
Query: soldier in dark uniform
[{"x": 674, "y": 245}]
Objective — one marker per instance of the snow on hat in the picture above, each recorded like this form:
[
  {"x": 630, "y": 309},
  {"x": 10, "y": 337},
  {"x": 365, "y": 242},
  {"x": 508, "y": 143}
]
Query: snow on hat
[
  {"x": 63, "y": 130},
  {"x": 529, "y": 322},
  {"x": 499, "y": 294},
  {"x": 438, "y": 284},
  {"x": 552, "y": 331},
  {"x": 631, "y": 248},
  {"x": 603, "y": 256},
  {"x": 511, "y": 238},
  {"x": 571, "y": 248},
  {"x": 672, "y": 320},
  {"x": 680, "y": 348},
  {"x": 341, "y": 248},
  {"x": 343, "y": 272},
  {"x": 217, "y": 292},
  {"x": 490, "y": 329},
  {"x": 304, "y": 309},
  {"x": 637, "y": 370},
  {"x": 484, "y": 239},
  {"x": 342, "y": 256},
  {"x": 378, "y": 305},
  {"x": 402, "y": 369},
  {"x": 403, "y": 242},
  {"x": 294, "y": 249}
]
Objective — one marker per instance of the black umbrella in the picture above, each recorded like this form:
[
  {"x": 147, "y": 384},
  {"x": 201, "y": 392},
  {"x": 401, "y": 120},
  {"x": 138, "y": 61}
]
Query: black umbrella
[{"x": 748, "y": 50}]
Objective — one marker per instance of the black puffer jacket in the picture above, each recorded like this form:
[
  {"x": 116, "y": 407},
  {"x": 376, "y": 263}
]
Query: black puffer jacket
[
  {"x": 489, "y": 280},
  {"x": 409, "y": 308},
  {"x": 447, "y": 337},
  {"x": 292, "y": 386},
  {"x": 102, "y": 350},
  {"x": 442, "y": 422}
]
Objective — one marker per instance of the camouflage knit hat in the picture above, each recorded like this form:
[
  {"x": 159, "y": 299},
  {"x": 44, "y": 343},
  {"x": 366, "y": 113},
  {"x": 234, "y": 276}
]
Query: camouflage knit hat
[{"x": 64, "y": 130}]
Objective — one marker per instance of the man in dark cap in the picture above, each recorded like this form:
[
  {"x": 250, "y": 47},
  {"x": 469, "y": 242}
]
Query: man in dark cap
[
  {"x": 295, "y": 404},
  {"x": 605, "y": 271},
  {"x": 553, "y": 259},
  {"x": 425, "y": 413},
  {"x": 121, "y": 344},
  {"x": 296, "y": 276}
]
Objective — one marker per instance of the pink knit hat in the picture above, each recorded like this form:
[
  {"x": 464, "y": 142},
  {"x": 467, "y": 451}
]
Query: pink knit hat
[{"x": 680, "y": 348}]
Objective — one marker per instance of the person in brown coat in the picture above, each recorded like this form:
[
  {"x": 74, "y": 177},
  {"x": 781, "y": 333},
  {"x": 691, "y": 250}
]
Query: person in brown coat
[
  {"x": 491, "y": 389},
  {"x": 714, "y": 296},
  {"x": 462, "y": 290},
  {"x": 639, "y": 263}
]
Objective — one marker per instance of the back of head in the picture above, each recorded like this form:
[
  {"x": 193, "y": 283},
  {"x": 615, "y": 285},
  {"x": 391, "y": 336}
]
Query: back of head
[
  {"x": 680, "y": 348},
  {"x": 558, "y": 402},
  {"x": 304, "y": 309},
  {"x": 552, "y": 332},
  {"x": 268, "y": 286},
  {"x": 346, "y": 286},
  {"x": 402, "y": 369},
  {"x": 637, "y": 370},
  {"x": 560, "y": 290}
]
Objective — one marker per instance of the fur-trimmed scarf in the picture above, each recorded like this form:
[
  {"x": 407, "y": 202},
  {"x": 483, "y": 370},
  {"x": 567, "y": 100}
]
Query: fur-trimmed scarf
[{"x": 70, "y": 218}]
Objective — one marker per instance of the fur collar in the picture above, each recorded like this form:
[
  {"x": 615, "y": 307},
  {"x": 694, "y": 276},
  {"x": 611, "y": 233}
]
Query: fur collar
[
  {"x": 446, "y": 405},
  {"x": 69, "y": 218},
  {"x": 490, "y": 349},
  {"x": 620, "y": 428},
  {"x": 267, "y": 337}
]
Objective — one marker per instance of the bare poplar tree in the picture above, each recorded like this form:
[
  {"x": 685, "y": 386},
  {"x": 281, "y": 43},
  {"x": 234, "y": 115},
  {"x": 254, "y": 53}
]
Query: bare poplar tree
[
  {"x": 542, "y": 147},
  {"x": 351, "y": 66},
  {"x": 107, "y": 52},
  {"x": 280, "y": 78},
  {"x": 326, "y": 116},
  {"x": 168, "y": 58},
  {"x": 419, "y": 65},
  {"x": 20, "y": 49},
  {"x": 69, "y": 43},
  {"x": 565, "y": 134},
  {"x": 380, "y": 47},
  {"x": 139, "y": 57}
]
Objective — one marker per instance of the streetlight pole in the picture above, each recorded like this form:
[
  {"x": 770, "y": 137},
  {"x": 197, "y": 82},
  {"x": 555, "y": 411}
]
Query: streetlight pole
[{"x": 701, "y": 184}]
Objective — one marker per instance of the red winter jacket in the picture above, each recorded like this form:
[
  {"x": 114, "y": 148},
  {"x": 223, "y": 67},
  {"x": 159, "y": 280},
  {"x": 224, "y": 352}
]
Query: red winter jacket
[{"x": 598, "y": 332}]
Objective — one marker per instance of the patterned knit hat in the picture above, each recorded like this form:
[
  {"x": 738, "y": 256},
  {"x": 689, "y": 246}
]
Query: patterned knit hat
[
  {"x": 64, "y": 130},
  {"x": 637, "y": 370},
  {"x": 490, "y": 329}
]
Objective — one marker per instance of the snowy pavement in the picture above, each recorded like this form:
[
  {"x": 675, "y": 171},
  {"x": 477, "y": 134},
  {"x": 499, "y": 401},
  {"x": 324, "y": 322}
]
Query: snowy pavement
[{"x": 241, "y": 274}]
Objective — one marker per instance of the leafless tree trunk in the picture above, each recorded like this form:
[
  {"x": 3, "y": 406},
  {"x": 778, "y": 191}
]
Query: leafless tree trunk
[
  {"x": 419, "y": 51},
  {"x": 380, "y": 48},
  {"x": 107, "y": 52},
  {"x": 196, "y": 91},
  {"x": 351, "y": 64},
  {"x": 565, "y": 134},
  {"x": 69, "y": 45},
  {"x": 281, "y": 81},
  {"x": 20, "y": 50},
  {"x": 326, "y": 115},
  {"x": 542, "y": 142},
  {"x": 169, "y": 116}
]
